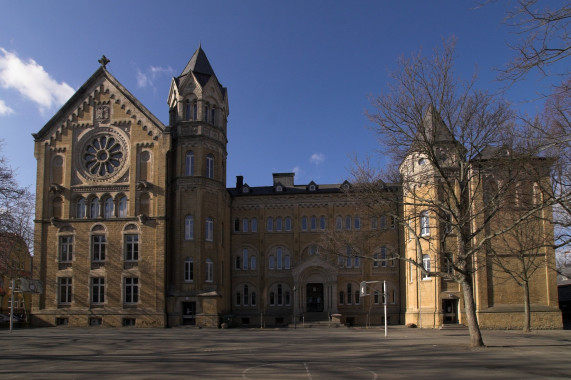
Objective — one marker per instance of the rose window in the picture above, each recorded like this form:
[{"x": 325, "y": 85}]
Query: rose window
[{"x": 103, "y": 156}]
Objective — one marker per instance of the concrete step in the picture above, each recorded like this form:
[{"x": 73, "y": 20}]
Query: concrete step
[{"x": 453, "y": 326}]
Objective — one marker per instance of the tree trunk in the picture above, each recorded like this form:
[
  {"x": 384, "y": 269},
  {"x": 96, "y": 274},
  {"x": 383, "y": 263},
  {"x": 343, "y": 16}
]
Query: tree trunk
[
  {"x": 470, "y": 309},
  {"x": 526, "y": 308}
]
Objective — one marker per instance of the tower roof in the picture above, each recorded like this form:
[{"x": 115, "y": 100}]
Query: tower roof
[{"x": 198, "y": 63}]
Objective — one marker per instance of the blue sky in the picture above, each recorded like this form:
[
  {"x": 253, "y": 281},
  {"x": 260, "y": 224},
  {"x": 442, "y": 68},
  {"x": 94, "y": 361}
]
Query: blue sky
[{"x": 299, "y": 73}]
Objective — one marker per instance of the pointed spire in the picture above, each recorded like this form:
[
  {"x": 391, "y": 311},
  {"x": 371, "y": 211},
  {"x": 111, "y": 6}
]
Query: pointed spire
[{"x": 198, "y": 63}]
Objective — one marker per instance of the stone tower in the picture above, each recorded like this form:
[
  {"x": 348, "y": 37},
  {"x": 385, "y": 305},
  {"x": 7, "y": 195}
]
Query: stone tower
[{"x": 198, "y": 277}]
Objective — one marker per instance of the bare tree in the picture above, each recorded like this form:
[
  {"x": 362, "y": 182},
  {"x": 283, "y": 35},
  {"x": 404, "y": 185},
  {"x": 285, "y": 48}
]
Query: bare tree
[
  {"x": 452, "y": 143},
  {"x": 545, "y": 38}
]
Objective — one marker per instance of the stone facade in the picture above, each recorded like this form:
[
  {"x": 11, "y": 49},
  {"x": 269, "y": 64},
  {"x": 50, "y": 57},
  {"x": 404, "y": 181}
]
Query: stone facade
[{"x": 135, "y": 225}]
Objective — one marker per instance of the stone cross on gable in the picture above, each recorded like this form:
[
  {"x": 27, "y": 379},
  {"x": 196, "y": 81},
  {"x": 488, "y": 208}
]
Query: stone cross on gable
[{"x": 104, "y": 61}]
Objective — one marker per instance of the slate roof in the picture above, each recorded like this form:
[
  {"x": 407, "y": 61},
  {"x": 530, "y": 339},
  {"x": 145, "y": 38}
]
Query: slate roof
[{"x": 200, "y": 67}]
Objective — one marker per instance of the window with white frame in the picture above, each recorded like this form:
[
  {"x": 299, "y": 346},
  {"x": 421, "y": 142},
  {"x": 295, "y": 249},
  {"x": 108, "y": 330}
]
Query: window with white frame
[
  {"x": 209, "y": 229},
  {"x": 131, "y": 247},
  {"x": 189, "y": 227},
  {"x": 65, "y": 249},
  {"x": 188, "y": 269},
  {"x": 209, "y": 270},
  {"x": 189, "y": 163},
  {"x": 210, "y": 166},
  {"x": 426, "y": 266},
  {"x": 424, "y": 224},
  {"x": 64, "y": 291},
  {"x": 97, "y": 290},
  {"x": 131, "y": 290}
]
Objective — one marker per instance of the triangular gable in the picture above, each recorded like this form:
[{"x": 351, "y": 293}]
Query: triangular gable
[{"x": 100, "y": 81}]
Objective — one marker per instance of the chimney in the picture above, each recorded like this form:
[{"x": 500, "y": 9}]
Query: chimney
[
  {"x": 286, "y": 179},
  {"x": 239, "y": 181}
]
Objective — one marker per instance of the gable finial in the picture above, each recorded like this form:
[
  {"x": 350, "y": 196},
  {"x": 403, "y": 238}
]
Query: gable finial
[{"x": 104, "y": 61}]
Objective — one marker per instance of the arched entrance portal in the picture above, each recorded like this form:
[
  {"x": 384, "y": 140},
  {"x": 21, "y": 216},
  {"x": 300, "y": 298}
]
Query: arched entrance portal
[{"x": 314, "y": 297}]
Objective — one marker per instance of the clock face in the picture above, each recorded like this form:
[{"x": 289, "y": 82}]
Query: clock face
[{"x": 103, "y": 155}]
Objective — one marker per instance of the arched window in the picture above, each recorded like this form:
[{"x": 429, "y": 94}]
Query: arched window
[
  {"x": 279, "y": 223},
  {"x": 304, "y": 223},
  {"x": 253, "y": 263},
  {"x": 57, "y": 169},
  {"x": 80, "y": 209},
  {"x": 209, "y": 229},
  {"x": 383, "y": 256},
  {"x": 287, "y": 262},
  {"x": 213, "y": 116},
  {"x": 253, "y": 296},
  {"x": 94, "y": 208},
  {"x": 238, "y": 265},
  {"x": 245, "y": 225},
  {"x": 189, "y": 163},
  {"x": 279, "y": 258},
  {"x": 123, "y": 207},
  {"x": 426, "y": 265},
  {"x": 357, "y": 222},
  {"x": 189, "y": 227},
  {"x": 187, "y": 110},
  {"x": 280, "y": 295},
  {"x": 209, "y": 270},
  {"x": 254, "y": 225},
  {"x": 349, "y": 294},
  {"x": 246, "y": 295},
  {"x": 206, "y": 112},
  {"x": 131, "y": 243},
  {"x": 288, "y": 223},
  {"x": 98, "y": 243},
  {"x": 339, "y": 223},
  {"x": 271, "y": 262},
  {"x": 188, "y": 269},
  {"x": 194, "y": 111},
  {"x": 238, "y": 298},
  {"x": 109, "y": 208},
  {"x": 210, "y": 166},
  {"x": 245, "y": 260},
  {"x": 270, "y": 224},
  {"x": 322, "y": 222},
  {"x": 313, "y": 223},
  {"x": 348, "y": 222},
  {"x": 348, "y": 255}
]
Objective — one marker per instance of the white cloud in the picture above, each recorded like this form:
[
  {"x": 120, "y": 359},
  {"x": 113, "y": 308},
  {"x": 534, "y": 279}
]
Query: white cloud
[
  {"x": 32, "y": 81},
  {"x": 4, "y": 109},
  {"x": 317, "y": 158},
  {"x": 297, "y": 170},
  {"x": 148, "y": 77}
]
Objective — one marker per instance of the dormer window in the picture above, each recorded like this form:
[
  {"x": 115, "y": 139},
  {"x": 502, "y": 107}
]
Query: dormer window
[
  {"x": 279, "y": 188},
  {"x": 312, "y": 187},
  {"x": 245, "y": 189}
]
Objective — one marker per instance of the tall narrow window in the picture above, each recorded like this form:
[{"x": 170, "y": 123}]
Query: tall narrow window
[
  {"x": 356, "y": 261},
  {"x": 357, "y": 222},
  {"x": 375, "y": 260},
  {"x": 97, "y": 290},
  {"x": 64, "y": 284},
  {"x": 189, "y": 227},
  {"x": 123, "y": 207},
  {"x": 189, "y": 164},
  {"x": 210, "y": 166},
  {"x": 245, "y": 225},
  {"x": 376, "y": 297},
  {"x": 253, "y": 263},
  {"x": 349, "y": 294},
  {"x": 338, "y": 223},
  {"x": 304, "y": 223},
  {"x": 209, "y": 229},
  {"x": 424, "y": 224},
  {"x": 279, "y": 258},
  {"x": 238, "y": 263},
  {"x": 131, "y": 289},
  {"x": 341, "y": 297},
  {"x": 206, "y": 112},
  {"x": 287, "y": 264},
  {"x": 254, "y": 225},
  {"x": 348, "y": 254},
  {"x": 209, "y": 270},
  {"x": 194, "y": 111},
  {"x": 288, "y": 223},
  {"x": 271, "y": 262},
  {"x": 213, "y": 116},
  {"x": 188, "y": 269},
  {"x": 98, "y": 244},
  {"x": 426, "y": 265},
  {"x": 245, "y": 259},
  {"x": 253, "y": 296},
  {"x": 313, "y": 223},
  {"x": 448, "y": 263},
  {"x": 270, "y": 224},
  {"x": 94, "y": 208},
  {"x": 246, "y": 295},
  {"x": 279, "y": 224},
  {"x": 65, "y": 249},
  {"x": 108, "y": 209},
  {"x": 80, "y": 208},
  {"x": 322, "y": 222},
  {"x": 373, "y": 222},
  {"x": 348, "y": 222},
  {"x": 187, "y": 110},
  {"x": 280, "y": 295},
  {"x": 131, "y": 247},
  {"x": 383, "y": 256}
]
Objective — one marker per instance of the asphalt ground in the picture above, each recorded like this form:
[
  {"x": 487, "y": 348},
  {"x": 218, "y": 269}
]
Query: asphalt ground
[{"x": 310, "y": 353}]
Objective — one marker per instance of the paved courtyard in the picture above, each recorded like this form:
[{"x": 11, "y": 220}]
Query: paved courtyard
[{"x": 336, "y": 353}]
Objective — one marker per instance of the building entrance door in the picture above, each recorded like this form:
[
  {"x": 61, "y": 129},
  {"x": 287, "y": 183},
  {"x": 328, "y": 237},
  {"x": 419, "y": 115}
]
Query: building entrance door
[
  {"x": 314, "y": 297},
  {"x": 189, "y": 313},
  {"x": 450, "y": 308}
]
